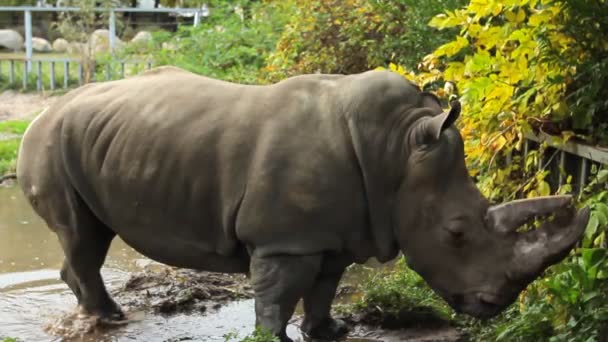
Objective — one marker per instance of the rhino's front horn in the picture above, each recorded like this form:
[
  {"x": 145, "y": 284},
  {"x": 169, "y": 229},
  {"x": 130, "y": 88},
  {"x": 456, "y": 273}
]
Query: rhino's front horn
[
  {"x": 507, "y": 217},
  {"x": 539, "y": 248}
]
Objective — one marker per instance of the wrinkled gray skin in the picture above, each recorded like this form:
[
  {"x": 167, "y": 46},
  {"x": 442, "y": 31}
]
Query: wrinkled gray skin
[{"x": 291, "y": 182}]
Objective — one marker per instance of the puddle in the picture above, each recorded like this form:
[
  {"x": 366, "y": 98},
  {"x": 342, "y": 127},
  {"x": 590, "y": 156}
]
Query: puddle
[{"x": 33, "y": 298}]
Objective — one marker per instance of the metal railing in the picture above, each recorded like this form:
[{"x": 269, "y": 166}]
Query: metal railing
[
  {"x": 565, "y": 159},
  {"x": 12, "y": 68},
  {"x": 197, "y": 14}
]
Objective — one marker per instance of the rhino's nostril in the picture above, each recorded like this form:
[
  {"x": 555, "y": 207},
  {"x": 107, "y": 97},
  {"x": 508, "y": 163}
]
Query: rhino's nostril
[{"x": 488, "y": 299}]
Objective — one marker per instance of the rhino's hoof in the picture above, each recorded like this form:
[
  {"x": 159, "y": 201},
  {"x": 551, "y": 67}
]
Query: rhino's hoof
[
  {"x": 110, "y": 314},
  {"x": 329, "y": 329}
]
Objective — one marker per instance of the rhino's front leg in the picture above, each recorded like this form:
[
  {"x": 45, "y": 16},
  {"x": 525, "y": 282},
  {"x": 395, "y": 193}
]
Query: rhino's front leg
[
  {"x": 318, "y": 323},
  {"x": 279, "y": 282}
]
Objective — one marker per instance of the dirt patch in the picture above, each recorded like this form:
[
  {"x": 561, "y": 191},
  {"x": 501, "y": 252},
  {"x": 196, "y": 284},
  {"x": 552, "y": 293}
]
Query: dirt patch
[
  {"x": 16, "y": 106},
  {"x": 171, "y": 290},
  {"x": 164, "y": 290},
  {"x": 419, "y": 325}
]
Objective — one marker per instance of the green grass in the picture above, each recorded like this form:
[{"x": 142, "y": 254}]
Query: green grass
[
  {"x": 9, "y": 147},
  {"x": 401, "y": 289},
  {"x": 14, "y": 126},
  {"x": 8, "y": 155}
]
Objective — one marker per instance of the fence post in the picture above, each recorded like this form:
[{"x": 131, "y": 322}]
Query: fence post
[
  {"x": 66, "y": 74},
  {"x": 197, "y": 18},
  {"x": 583, "y": 175},
  {"x": 39, "y": 76},
  {"x": 562, "y": 168},
  {"x": 25, "y": 75},
  {"x": 11, "y": 73},
  {"x": 52, "y": 75},
  {"x": 28, "y": 39},
  {"x": 112, "y": 30}
]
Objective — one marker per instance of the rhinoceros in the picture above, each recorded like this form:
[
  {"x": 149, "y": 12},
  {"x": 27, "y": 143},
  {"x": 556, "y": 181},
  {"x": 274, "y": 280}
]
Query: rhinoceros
[{"x": 289, "y": 183}]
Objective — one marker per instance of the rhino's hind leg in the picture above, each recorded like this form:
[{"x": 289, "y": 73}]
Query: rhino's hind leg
[
  {"x": 279, "y": 282},
  {"x": 318, "y": 323},
  {"x": 68, "y": 277},
  {"x": 85, "y": 247},
  {"x": 85, "y": 241}
]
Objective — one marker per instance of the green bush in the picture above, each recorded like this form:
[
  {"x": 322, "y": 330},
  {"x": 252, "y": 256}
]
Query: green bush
[
  {"x": 335, "y": 36},
  {"x": 231, "y": 44}
]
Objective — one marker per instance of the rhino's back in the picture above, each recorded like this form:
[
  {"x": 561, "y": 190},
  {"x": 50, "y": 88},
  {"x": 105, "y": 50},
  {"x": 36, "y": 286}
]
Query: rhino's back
[{"x": 195, "y": 163}]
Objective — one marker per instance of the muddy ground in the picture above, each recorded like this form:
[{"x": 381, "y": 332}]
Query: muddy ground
[
  {"x": 15, "y": 105},
  {"x": 169, "y": 291}
]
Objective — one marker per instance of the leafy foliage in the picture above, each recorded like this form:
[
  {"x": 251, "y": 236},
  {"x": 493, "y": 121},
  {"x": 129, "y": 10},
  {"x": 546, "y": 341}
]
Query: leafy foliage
[
  {"x": 521, "y": 66},
  {"x": 332, "y": 36},
  {"x": 259, "y": 335},
  {"x": 398, "y": 289},
  {"x": 228, "y": 45}
]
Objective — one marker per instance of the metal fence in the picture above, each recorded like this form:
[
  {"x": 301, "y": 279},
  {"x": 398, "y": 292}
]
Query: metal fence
[
  {"x": 196, "y": 13},
  {"x": 563, "y": 160},
  {"x": 55, "y": 73}
]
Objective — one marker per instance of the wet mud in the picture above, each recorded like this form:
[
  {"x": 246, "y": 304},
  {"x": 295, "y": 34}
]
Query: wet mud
[{"x": 169, "y": 291}]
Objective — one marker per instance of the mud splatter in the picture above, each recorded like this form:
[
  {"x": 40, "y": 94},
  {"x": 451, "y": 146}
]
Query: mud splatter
[{"x": 172, "y": 290}]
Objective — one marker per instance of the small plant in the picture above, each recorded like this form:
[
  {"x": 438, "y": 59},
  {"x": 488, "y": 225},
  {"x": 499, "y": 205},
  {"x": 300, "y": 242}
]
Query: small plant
[
  {"x": 10, "y": 339},
  {"x": 401, "y": 289},
  {"x": 259, "y": 335}
]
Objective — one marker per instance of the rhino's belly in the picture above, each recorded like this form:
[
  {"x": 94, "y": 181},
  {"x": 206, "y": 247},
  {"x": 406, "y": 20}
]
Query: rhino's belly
[
  {"x": 184, "y": 230},
  {"x": 172, "y": 250}
]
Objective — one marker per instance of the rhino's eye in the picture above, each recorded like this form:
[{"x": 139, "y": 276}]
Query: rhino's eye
[{"x": 456, "y": 234}]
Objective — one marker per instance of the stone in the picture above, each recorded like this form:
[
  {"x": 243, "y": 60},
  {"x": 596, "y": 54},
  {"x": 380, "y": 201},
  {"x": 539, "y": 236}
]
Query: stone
[
  {"x": 11, "y": 39},
  {"x": 100, "y": 41},
  {"x": 61, "y": 45},
  {"x": 41, "y": 45},
  {"x": 142, "y": 37}
]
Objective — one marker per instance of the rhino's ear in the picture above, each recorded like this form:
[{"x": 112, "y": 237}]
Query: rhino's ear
[
  {"x": 430, "y": 100},
  {"x": 435, "y": 126}
]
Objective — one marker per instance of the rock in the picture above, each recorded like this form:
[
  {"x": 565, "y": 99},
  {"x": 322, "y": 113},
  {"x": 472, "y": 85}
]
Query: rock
[
  {"x": 76, "y": 48},
  {"x": 142, "y": 37},
  {"x": 169, "y": 46},
  {"x": 100, "y": 41},
  {"x": 11, "y": 39},
  {"x": 41, "y": 45},
  {"x": 60, "y": 45}
]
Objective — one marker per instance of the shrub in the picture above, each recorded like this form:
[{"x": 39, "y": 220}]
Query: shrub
[
  {"x": 332, "y": 36},
  {"x": 231, "y": 44},
  {"x": 520, "y": 66}
]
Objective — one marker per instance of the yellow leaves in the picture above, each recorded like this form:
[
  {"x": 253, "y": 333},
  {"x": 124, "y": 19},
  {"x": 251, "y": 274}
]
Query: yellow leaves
[
  {"x": 488, "y": 38},
  {"x": 483, "y": 8},
  {"x": 543, "y": 17},
  {"x": 480, "y": 63},
  {"x": 397, "y": 68},
  {"x": 503, "y": 83},
  {"x": 449, "y": 19},
  {"x": 499, "y": 143},
  {"x": 454, "y": 71},
  {"x": 453, "y": 47},
  {"x": 516, "y": 18},
  {"x": 512, "y": 72}
]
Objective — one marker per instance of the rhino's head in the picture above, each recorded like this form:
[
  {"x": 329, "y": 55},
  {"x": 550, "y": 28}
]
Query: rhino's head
[{"x": 468, "y": 250}]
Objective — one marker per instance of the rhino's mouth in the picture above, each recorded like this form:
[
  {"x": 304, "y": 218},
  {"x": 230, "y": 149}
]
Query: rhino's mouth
[{"x": 482, "y": 305}]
